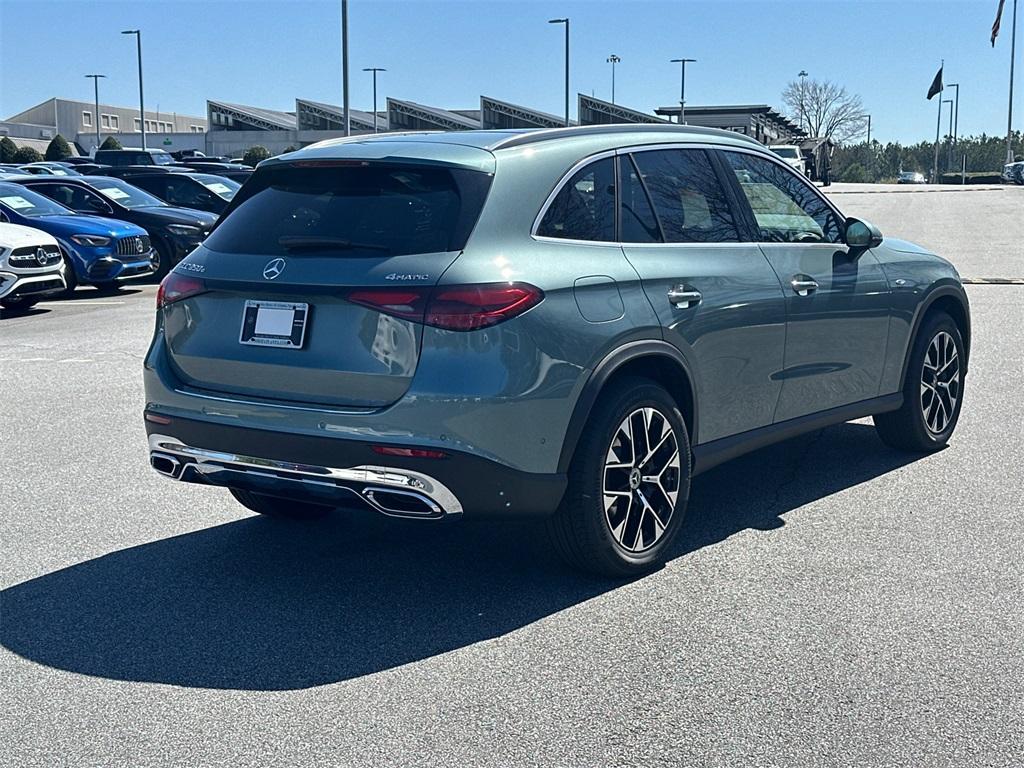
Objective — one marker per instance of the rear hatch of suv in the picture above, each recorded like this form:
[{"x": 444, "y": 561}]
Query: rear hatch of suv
[{"x": 312, "y": 286}]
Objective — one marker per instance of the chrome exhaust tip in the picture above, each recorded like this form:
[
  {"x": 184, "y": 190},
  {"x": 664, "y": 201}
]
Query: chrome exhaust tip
[
  {"x": 168, "y": 466},
  {"x": 401, "y": 503}
]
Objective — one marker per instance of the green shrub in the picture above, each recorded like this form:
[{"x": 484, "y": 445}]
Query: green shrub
[
  {"x": 111, "y": 143},
  {"x": 254, "y": 155},
  {"x": 854, "y": 173},
  {"x": 7, "y": 150},
  {"x": 58, "y": 149},
  {"x": 27, "y": 155},
  {"x": 975, "y": 177}
]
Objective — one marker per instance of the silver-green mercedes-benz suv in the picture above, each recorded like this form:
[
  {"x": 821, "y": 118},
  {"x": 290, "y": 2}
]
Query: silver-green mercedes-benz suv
[{"x": 567, "y": 323}]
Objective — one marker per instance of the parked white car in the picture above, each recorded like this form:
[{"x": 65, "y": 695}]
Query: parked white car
[
  {"x": 792, "y": 155},
  {"x": 1013, "y": 173},
  {"x": 31, "y": 267}
]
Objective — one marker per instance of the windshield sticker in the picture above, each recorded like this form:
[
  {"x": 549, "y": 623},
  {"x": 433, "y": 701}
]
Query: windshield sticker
[
  {"x": 113, "y": 193},
  {"x": 16, "y": 202},
  {"x": 220, "y": 189}
]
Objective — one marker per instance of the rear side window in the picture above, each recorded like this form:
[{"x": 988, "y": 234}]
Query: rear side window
[
  {"x": 688, "y": 197},
  {"x": 584, "y": 208},
  {"x": 358, "y": 210}
]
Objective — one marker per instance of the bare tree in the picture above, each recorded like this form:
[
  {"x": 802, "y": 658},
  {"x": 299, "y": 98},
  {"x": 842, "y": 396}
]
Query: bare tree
[{"x": 825, "y": 109}]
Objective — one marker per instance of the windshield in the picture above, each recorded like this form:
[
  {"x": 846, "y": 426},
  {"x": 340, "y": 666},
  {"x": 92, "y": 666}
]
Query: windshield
[
  {"x": 379, "y": 210},
  {"x": 123, "y": 193},
  {"x": 789, "y": 153},
  {"x": 223, "y": 188},
  {"x": 162, "y": 158},
  {"x": 28, "y": 203}
]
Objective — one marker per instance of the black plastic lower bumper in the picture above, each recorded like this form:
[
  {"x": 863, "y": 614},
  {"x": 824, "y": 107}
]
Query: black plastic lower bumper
[{"x": 483, "y": 487}]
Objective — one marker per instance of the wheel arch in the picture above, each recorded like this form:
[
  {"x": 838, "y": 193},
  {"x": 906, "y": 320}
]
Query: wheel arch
[
  {"x": 658, "y": 361},
  {"x": 951, "y": 299}
]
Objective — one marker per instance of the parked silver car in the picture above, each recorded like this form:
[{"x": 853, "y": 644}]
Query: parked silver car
[
  {"x": 567, "y": 323},
  {"x": 31, "y": 267}
]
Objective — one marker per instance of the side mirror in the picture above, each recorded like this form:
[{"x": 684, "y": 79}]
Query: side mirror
[{"x": 860, "y": 235}]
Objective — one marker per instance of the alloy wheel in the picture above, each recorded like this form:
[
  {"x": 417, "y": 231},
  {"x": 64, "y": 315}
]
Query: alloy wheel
[
  {"x": 940, "y": 382},
  {"x": 641, "y": 479}
]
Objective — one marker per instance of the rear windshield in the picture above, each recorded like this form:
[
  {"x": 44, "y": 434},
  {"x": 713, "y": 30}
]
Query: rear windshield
[
  {"x": 787, "y": 152},
  {"x": 360, "y": 210}
]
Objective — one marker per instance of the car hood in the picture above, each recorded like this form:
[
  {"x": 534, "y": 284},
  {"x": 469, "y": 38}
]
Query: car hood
[
  {"x": 18, "y": 236},
  {"x": 905, "y": 246},
  {"x": 172, "y": 215},
  {"x": 87, "y": 225}
]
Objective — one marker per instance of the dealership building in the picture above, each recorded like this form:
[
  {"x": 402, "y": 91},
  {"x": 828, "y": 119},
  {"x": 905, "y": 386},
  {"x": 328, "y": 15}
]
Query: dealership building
[{"x": 230, "y": 128}]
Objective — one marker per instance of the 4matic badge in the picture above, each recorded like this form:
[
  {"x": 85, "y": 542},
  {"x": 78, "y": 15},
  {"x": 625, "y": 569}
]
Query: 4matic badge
[{"x": 400, "y": 276}]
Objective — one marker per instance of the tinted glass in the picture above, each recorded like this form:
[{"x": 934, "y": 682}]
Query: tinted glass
[
  {"x": 123, "y": 193},
  {"x": 688, "y": 198},
  {"x": 25, "y": 202},
  {"x": 786, "y": 208},
  {"x": 584, "y": 208},
  {"x": 72, "y": 196},
  {"x": 636, "y": 217},
  {"x": 787, "y": 152},
  {"x": 381, "y": 210},
  {"x": 161, "y": 158}
]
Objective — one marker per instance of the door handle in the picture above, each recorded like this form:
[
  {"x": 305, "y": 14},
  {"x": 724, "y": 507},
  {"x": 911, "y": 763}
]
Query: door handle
[
  {"x": 682, "y": 297},
  {"x": 804, "y": 285}
]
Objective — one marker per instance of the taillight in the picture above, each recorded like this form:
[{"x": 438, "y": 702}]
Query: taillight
[
  {"x": 468, "y": 307},
  {"x": 452, "y": 307},
  {"x": 176, "y": 287}
]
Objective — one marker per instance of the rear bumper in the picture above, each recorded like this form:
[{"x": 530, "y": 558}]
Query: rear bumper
[{"x": 342, "y": 472}]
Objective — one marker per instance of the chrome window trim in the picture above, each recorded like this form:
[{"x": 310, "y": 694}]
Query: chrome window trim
[{"x": 626, "y": 150}]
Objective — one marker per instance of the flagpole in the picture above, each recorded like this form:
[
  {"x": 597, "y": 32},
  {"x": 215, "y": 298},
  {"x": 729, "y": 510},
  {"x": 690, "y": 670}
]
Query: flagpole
[
  {"x": 938, "y": 127},
  {"x": 1009, "y": 110}
]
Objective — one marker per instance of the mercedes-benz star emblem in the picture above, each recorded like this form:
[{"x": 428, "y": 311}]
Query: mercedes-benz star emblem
[
  {"x": 273, "y": 269},
  {"x": 139, "y": 248},
  {"x": 42, "y": 257}
]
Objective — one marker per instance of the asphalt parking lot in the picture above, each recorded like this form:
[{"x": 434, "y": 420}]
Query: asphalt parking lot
[{"x": 831, "y": 601}]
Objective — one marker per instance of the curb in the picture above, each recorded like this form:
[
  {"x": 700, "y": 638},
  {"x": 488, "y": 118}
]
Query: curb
[{"x": 992, "y": 280}]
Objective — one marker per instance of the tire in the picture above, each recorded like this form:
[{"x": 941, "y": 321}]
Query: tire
[
  {"x": 274, "y": 506},
  {"x": 18, "y": 303},
  {"x": 70, "y": 276},
  {"x": 163, "y": 265},
  {"x": 618, "y": 541},
  {"x": 932, "y": 392}
]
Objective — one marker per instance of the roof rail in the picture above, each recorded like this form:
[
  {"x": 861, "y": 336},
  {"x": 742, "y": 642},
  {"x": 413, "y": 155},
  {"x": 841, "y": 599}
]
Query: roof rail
[{"x": 549, "y": 134}]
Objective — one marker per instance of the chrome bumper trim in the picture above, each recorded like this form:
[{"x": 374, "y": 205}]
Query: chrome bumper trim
[{"x": 375, "y": 485}]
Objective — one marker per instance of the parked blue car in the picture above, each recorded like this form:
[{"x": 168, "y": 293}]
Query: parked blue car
[{"x": 97, "y": 251}]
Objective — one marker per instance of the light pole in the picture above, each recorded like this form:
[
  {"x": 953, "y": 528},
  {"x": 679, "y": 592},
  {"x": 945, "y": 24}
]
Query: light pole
[
  {"x": 682, "y": 86},
  {"x": 142, "y": 103},
  {"x": 869, "y": 129},
  {"x": 956, "y": 110},
  {"x": 566, "y": 22},
  {"x": 96, "y": 93},
  {"x": 344, "y": 69},
  {"x": 375, "y": 70},
  {"x": 802, "y": 74},
  {"x": 613, "y": 60},
  {"x": 949, "y": 136}
]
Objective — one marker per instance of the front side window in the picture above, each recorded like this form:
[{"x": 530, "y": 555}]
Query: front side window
[
  {"x": 688, "y": 198},
  {"x": 785, "y": 207},
  {"x": 584, "y": 208},
  {"x": 25, "y": 202}
]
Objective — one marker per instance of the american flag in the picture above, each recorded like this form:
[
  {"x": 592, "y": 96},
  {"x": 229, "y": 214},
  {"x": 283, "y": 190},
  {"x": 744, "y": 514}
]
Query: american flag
[{"x": 995, "y": 24}]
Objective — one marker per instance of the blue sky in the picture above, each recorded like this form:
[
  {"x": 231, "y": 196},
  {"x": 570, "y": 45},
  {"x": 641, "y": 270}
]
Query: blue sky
[{"x": 447, "y": 52}]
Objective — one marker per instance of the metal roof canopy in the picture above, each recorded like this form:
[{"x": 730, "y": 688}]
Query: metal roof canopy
[
  {"x": 442, "y": 118},
  {"x": 735, "y": 109},
  {"x": 267, "y": 119},
  {"x": 533, "y": 117},
  {"x": 359, "y": 118}
]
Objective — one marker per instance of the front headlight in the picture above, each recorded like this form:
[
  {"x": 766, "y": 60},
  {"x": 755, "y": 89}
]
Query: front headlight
[
  {"x": 182, "y": 229},
  {"x": 90, "y": 240}
]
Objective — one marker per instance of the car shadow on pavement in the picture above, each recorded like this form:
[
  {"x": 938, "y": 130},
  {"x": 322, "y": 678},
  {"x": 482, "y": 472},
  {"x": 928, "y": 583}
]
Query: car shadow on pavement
[
  {"x": 260, "y": 604},
  {"x": 10, "y": 314}
]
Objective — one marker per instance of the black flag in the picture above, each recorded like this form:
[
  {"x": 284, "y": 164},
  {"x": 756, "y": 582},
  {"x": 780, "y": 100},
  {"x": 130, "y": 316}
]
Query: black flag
[
  {"x": 936, "y": 84},
  {"x": 998, "y": 21}
]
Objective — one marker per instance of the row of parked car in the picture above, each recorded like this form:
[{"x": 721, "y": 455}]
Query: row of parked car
[{"x": 122, "y": 214}]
